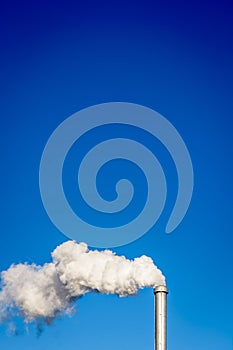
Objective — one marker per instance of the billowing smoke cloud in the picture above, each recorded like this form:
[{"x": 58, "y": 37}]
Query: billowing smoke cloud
[{"x": 42, "y": 292}]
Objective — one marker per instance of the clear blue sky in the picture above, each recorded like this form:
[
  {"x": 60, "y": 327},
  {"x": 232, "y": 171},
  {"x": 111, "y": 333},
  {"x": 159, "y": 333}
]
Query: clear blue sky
[{"x": 58, "y": 57}]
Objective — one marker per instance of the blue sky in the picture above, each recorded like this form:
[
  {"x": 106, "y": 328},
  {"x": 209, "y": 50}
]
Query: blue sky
[{"x": 174, "y": 57}]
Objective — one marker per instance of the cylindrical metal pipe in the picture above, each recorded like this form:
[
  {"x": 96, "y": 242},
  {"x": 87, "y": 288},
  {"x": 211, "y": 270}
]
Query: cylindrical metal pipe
[{"x": 160, "y": 293}]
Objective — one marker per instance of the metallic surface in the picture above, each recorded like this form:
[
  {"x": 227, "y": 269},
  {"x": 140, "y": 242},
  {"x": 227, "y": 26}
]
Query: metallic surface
[{"x": 160, "y": 293}]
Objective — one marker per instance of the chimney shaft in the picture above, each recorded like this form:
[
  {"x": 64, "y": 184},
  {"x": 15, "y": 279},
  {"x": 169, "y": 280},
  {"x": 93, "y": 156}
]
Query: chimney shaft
[{"x": 160, "y": 293}]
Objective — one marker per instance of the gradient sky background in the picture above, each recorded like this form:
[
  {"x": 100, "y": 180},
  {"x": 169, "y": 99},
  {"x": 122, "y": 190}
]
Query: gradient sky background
[{"x": 58, "y": 57}]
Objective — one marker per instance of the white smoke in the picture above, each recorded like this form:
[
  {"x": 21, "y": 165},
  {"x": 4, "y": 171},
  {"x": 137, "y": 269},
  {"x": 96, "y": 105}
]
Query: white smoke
[{"x": 42, "y": 292}]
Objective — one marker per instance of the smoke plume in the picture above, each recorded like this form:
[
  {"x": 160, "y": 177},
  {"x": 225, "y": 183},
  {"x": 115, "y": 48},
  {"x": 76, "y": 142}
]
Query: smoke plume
[{"x": 40, "y": 293}]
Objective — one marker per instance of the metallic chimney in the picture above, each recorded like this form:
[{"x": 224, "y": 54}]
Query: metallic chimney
[{"x": 160, "y": 293}]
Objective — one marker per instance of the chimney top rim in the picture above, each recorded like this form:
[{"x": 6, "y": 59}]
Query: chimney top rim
[{"x": 160, "y": 289}]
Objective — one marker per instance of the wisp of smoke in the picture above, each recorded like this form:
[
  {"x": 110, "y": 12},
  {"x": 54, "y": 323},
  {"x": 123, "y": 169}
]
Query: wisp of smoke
[{"x": 43, "y": 292}]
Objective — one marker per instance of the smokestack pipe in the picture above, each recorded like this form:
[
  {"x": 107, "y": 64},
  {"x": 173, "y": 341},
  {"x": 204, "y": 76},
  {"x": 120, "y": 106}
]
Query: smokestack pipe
[{"x": 160, "y": 293}]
